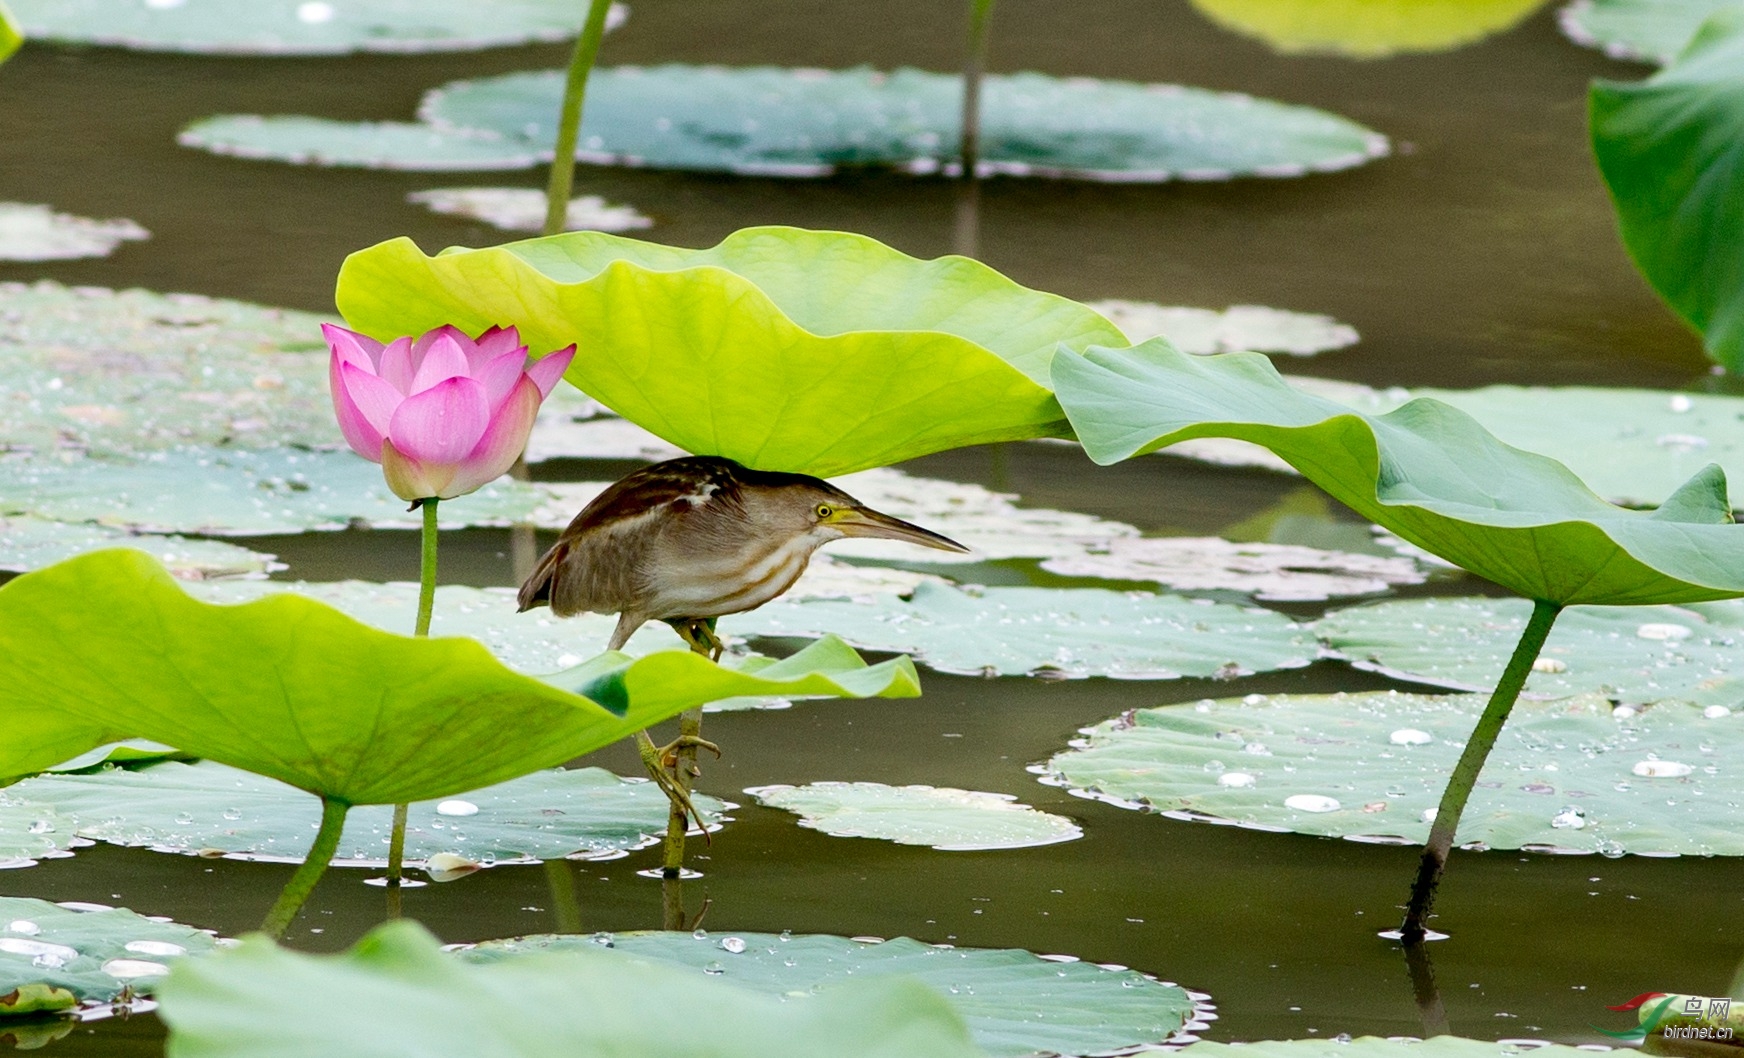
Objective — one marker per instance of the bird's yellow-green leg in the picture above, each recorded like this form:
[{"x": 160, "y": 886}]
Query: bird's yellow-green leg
[
  {"x": 677, "y": 759},
  {"x": 669, "y": 779}
]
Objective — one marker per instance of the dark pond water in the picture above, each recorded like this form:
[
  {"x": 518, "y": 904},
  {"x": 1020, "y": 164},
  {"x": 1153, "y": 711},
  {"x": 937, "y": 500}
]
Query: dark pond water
[{"x": 1483, "y": 251}]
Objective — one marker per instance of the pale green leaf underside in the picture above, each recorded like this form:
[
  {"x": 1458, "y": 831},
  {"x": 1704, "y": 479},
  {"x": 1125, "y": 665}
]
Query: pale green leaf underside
[
  {"x": 232, "y": 491},
  {"x": 746, "y": 349},
  {"x": 1425, "y": 471},
  {"x": 30, "y": 232},
  {"x": 28, "y": 543},
  {"x": 1270, "y": 572},
  {"x": 1015, "y": 1003},
  {"x": 1649, "y": 30},
  {"x": 1368, "y": 29},
  {"x": 523, "y": 209},
  {"x": 83, "y": 944},
  {"x": 947, "y": 819},
  {"x": 122, "y": 373},
  {"x": 1630, "y": 654},
  {"x": 1567, "y": 774},
  {"x": 106, "y": 647},
  {"x": 1671, "y": 150},
  {"x": 404, "y": 995},
  {"x": 1376, "y": 1047},
  {"x": 1253, "y": 328},
  {"x": 205, "y": 807},
  {"x": 256, "y": 27},
  {"x": 1069, "y": 633},
  {"x": 402, "y": 145}
]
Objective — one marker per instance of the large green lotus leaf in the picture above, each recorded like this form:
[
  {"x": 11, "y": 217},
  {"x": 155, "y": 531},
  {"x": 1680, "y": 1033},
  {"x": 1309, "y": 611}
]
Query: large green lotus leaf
[
  {"x": 287, "y": 27},
  {"x": 30, "y": 232},
  {"x": 239, "y": 491},
  {"x": 1629, "y": 654},
  {"x": 1568, "y": 774},
  {"x": 106, "y": 647},
  {"x": 208, "y": 808},
  {"x": 944, "y": 818},
  {"x": 1060, "y": 633},
  {"x": 405, "y": 997},
  {"x": 1015, "y": 1003},
  {"x": 1671, "y": 149},
  {"x": 28, "y": 543},
  {"x": 1427, "y": 472},
  {"x": 699, "y": 345},
  {"x": 786, "y": 122},
  {"x": 55, "y": 957},
  {"x": 1272, "y": 572},
  {"x": 1649, "y": 30},
  {"x": 1253, "y": 328},
  {"x": 10, "y": 38},
  {"x": 1368, "y": 29},
  {"x": 123, "y": 373},
  {"x": 1376, "y": 1047},
  {"x": 406, "y": 145}
]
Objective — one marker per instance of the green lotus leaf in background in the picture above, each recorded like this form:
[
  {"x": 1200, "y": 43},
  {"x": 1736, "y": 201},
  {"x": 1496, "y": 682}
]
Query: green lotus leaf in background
[
  {"x": 1059, "y": 633},
  {"x": 106, "y": 647},
  {"x": 699, "y": 345},
  {"x": 403, "y": 995},
  {"x": 1671, "y": 149},
  {"x": 32, "y": 830},
  {"x": 1015, "y": 1003},
  {"x": 780, "y": 122},
  {"x": 206, "y": 808},
  {"x": 1367, "y": 29},
  {"x": 1425, "y": 471},
  {"x": 254, "y": 27},
  {"x": 942, "y": 818},
  {"x": 34, "y": 232},
  {"x": 10, "y": 37},
  {"x": 1634, "y": 654},
  {"x": 1250, "y": 328},
  {"x": 58, "y": 957},
  {"x": 1567, "y": 774},
  {"x": 1649, "y": 30},
  {"x": 28, "y": 543},
  {"x": 1376, "y": 1047}
]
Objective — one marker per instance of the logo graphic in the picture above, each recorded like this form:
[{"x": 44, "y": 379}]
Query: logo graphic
[{"x": 1676, "y": 1017}]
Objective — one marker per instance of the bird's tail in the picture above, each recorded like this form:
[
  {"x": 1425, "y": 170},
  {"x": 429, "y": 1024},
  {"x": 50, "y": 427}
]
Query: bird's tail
[{"x": 536, "y": 591}]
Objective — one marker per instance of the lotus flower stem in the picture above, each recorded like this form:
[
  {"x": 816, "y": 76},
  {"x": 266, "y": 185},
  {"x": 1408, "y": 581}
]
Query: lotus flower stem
[
  {"x": 1471, "y": 762},
  {"x": 968, "y": 223},
  {"x": 569, "y": 118},
  {"x": 426, "y": 603},
  {"x": 314, "y": 865}
]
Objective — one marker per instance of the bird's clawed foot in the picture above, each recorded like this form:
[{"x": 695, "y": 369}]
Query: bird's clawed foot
[
  {"x": 662, "y": 764},
  {"x": 699, "y": 633},
  {"x": 669, "y": 752}
]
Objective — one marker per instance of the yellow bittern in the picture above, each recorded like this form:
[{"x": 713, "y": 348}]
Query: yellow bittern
[{"x": 691, "y": 539}]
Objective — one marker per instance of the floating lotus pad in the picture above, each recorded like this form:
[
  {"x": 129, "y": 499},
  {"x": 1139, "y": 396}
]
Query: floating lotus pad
[
  {"x": 36, "y": 233},
  {"x": 1630, "y": 654},
  {"x": 1426, "y": 472},
  {"x": 1649, "y": 30},
  {"x": 56, "y": 957},
  {"x": 30, "y": 831},
  {"x": 122, "y": 373},
  {"x": 523, "y": 209},
  {"x": 106, "y": 647},
  {"x": 1015, "y": 1003},
  {"x": 28, "y": 543},
  {"x": 1063, "y": 633},
  {"x": 1667, "y": 148},
  {"x": 1274, "y": 572},
  {"x": 946, "y": 819},
  {"x": 315, "y": 27},
  {"x": 238, "y": 492},
  {"x": 1571, "y": 774},
  {"x": 404, "y": 994},
  {"x": 724, "y": 334},
  {"x": 1253, "y": 328},
  {"x": 133, "y": 751},
  {"x": 1376, "y": 1047},
  {"x": 781, "y": 122},
  {"x": 1367, "y": 29},
  {"x": 205, "y": 807}
]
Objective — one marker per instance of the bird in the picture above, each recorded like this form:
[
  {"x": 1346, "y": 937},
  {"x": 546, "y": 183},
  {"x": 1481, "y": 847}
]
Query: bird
[{"x": 690, "y": 540}]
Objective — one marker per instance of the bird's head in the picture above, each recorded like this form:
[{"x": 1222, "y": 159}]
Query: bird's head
[{"x": 804, "y": 505}]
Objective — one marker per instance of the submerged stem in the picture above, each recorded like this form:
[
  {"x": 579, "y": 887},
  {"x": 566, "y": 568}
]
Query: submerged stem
[
  {"x": 1471, "y": 762},
  {"x": 314, "y": 865},
  {"x": 426, "y": 603},
  {"x": 967, "y": 237},
  {"x": 569, "y": 117}
]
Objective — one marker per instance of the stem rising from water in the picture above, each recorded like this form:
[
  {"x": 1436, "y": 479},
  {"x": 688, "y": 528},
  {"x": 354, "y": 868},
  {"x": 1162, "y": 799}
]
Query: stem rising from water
[
  {"x": 967, "y": 235},
  {"x": 314, "y": 865},
  {"x": 426, "y": 603},
  {"x": 569, "y": 117}
]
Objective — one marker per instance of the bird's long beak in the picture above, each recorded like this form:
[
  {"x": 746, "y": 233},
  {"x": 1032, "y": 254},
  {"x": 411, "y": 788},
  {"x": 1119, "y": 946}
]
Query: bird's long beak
[{"x": 864, "y": 521}]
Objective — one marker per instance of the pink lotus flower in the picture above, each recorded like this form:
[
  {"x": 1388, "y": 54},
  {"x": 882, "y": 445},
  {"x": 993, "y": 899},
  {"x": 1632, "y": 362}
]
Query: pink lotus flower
[{"x": 443, "y": 415}]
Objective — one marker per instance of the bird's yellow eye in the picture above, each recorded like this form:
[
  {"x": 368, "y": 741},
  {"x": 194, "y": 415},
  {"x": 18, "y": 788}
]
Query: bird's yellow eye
[{"x": 824, "y": 510}]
